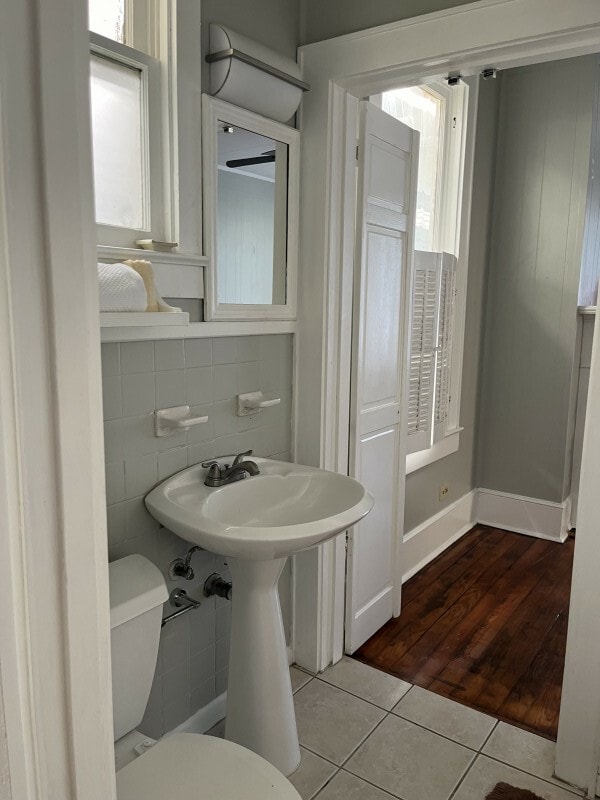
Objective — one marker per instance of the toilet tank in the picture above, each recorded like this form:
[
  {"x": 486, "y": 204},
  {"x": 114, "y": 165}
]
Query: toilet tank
[{"x": 137, "y": 592}]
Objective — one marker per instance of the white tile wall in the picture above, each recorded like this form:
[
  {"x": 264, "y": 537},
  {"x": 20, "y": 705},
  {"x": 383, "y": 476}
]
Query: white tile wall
[{"x": 139, "y": 377}]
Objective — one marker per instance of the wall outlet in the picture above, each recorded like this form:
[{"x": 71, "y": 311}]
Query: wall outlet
[{"x": 444, "y": 489}]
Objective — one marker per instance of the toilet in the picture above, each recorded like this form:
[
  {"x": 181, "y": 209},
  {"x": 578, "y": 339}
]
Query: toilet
[{"x": 186, "y": 765}]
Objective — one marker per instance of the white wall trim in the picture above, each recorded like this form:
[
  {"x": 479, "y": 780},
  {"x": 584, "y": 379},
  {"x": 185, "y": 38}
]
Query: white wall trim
[
  {"x": 445, "y": 447},
  {"x": 529, "y": 515},
  {"x": 205, "y": 718},
  {"x": 507, "y": 33},
  {"x": 428, "y": 540}
]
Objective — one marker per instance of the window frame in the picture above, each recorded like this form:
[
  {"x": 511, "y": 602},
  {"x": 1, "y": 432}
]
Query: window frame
[
  {"x": 152, "y": 144},
  {"x": 451, "y": 193},
  {"x": 167, "y": 34}
]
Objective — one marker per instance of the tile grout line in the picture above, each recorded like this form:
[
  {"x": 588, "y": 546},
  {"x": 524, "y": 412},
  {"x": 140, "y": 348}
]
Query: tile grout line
[
  {"x": 564, "y": 786},
  {"x": 463, "y": 777},
  {"x": 327, "y": 782},
  {"x": 442, "y": 735},
  {"x": 358, "y": 697},
  {"x": 370, "y": 783}
]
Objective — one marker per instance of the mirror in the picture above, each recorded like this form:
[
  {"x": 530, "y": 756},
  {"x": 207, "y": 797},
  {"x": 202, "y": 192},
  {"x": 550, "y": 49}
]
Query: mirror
[
  {"x": 251, "y": 208},
  {"x": 251, "y": 217}
]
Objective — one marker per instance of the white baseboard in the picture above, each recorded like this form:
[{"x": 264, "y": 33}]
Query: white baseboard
[
  {"x": 432, "y": 537},
  {"x": 205, "y": 718},
  {"x": 528, "y": 515}
]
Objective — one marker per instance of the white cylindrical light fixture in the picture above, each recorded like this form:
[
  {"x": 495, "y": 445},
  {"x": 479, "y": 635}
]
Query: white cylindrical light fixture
[{"x": 252, "y": 76}]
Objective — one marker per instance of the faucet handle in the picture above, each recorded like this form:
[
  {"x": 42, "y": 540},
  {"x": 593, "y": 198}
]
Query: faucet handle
[
  {"x": 216, "y": 460},
  {"x": 240, "y": 457},
  {"x": 214, "y": 472}
]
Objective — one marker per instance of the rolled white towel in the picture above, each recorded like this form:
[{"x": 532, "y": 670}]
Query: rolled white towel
[{"x": 121, "y": 288}]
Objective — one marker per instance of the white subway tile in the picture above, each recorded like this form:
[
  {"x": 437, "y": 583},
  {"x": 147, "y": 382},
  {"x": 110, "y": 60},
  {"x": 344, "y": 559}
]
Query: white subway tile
[
  {"x": 169, "y": 354},
  {"x": 224, "y": 381},
  {"x": 170, "y": 388},
  {"x": 113, "y": 440},
  {"x": 205, "y": 431},
  {"x": 198, "y": 353},
  {"x": 110, "y": 359},
  {"x": 115, "y": 524},
  {"x": 247, "y": 348},
  {"x": 138, "y": 394},
  {"x": 224, "y": 350},
  {"x": 171, "y": 461},
  {"x": 138, "y": 435},
  {"x": 111, "y": 397},
  {"x": 198, "y": 386},
  {"x": 141, "y": 474},
  {"x": 138, "y": 521},
  {"x": 202, "y": 666},
  {"x": 248, "y": 377},
  {"x": 137, "y": 357},
  {"x": 115, "y": 483}
]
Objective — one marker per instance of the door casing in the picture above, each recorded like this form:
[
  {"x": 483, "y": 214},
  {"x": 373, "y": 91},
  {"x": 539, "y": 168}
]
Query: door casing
[{"x": 500, "y": 33}]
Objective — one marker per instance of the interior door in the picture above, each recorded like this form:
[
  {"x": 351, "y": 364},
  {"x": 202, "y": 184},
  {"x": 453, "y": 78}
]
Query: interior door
[{"x": 387, "y": 164}]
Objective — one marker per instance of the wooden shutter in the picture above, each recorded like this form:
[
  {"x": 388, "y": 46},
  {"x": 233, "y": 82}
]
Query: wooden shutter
[
  {"x": 423, "y": 342},
  {"x": 443, "y": 365}
]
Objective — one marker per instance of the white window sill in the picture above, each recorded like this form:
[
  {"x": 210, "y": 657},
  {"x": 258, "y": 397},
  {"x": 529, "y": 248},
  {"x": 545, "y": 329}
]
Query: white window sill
[{"x": 448, "y": 445}]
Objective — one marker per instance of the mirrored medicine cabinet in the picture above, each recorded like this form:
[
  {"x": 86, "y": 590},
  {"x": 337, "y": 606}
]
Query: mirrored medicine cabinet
[{"x": 251, "y": 185}]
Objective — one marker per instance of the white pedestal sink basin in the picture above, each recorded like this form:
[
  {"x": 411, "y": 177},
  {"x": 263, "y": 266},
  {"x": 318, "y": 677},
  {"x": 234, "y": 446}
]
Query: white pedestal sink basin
[{"x": 257, "y": 523}]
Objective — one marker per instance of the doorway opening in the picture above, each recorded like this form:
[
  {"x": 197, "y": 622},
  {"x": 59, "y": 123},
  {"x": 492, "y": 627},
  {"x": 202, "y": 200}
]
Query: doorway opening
[{"x": 492, "y": 633}]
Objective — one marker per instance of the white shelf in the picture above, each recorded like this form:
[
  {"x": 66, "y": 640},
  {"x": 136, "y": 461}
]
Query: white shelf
[
  {"x": 196, "y": 330},
  {"x": 143, "y": 319}
]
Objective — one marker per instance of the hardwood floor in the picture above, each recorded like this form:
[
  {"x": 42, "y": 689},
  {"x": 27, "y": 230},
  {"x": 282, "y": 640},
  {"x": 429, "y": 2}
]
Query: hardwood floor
[{"x": 485, "y": 624}]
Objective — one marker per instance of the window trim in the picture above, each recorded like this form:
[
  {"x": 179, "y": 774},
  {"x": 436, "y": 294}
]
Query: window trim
[
  {"x": 450, "y": 230},
  {"x": 152, "y": 143},
  {"x": 175, "y": 44},
  {"x": 456, "y": 200},
  {"x": 445, "y": 447}
]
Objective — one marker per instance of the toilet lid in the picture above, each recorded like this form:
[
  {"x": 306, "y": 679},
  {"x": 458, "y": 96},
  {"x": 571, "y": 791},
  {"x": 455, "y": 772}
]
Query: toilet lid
[{"x": 196, "y": 767}]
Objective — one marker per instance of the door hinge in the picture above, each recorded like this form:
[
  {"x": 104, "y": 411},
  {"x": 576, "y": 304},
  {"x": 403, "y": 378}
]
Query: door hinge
[{"x": 357, "y": 151}]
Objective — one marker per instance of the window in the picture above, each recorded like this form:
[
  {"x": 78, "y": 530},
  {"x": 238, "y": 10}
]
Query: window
[
  {"x": 424, "y": 111},
  {"x": 127, "y": 126},
  {"x": 438, "y": 113},
  {"x": 107, "y": 18}
]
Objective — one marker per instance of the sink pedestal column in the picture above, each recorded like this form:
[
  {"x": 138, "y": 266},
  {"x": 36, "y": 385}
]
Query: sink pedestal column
[{"x": 260, "y": 706}]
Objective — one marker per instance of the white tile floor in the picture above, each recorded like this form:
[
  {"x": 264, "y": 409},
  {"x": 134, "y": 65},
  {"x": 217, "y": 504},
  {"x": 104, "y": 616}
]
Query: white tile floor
[{"x": 365, "y": 735}]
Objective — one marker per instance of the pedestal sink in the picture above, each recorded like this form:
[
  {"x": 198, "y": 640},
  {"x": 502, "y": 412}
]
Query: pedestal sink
[{"x": 257, "y": 523}]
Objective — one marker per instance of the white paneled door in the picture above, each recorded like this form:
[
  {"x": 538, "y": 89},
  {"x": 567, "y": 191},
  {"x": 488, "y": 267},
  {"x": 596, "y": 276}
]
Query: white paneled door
[{"x": 388, "y": 157}]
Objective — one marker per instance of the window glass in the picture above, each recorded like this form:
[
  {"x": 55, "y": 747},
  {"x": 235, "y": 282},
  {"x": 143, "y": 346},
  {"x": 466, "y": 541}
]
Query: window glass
[
  {"x": 119, "y": 154},
  {"x": 422, "y": 110},
  {"x": 107, "y": 17}
]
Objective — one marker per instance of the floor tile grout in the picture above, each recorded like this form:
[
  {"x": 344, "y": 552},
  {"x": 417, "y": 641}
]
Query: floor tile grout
[
  {"x": 358, "y": 697},
  {"x": 360, "y": 744},
  {"x": 560, "y": 785},
  {"x": 374, "y": 785},
  {"x": 327, "y": 782},
  {"x": 437, "y": 733}
]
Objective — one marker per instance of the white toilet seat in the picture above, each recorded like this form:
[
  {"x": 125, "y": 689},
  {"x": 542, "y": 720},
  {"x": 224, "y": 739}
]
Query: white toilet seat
[{"x": 196, "y": 767}]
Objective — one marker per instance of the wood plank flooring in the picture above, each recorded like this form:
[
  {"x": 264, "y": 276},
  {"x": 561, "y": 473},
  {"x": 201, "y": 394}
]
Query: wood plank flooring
[{"x": 485, "y": 624}]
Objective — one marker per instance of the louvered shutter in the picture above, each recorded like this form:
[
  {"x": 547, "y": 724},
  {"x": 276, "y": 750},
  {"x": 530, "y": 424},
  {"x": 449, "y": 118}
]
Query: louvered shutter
[
  {"x": 424, "y": 325},
  {"x": 443, "y": 359}
]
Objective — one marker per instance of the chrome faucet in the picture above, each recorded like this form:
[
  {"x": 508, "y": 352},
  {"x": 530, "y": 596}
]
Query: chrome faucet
[{"x": 220, "y": 476}]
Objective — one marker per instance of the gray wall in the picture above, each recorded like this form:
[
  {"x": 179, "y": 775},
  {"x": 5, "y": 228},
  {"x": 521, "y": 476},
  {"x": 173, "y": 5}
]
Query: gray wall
[
  {"x": 205, "y": 374},
  {"x": 324, "y": 19},
  {"x": 539, "y": 209},
  {"x": 458, "y": 470}
]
